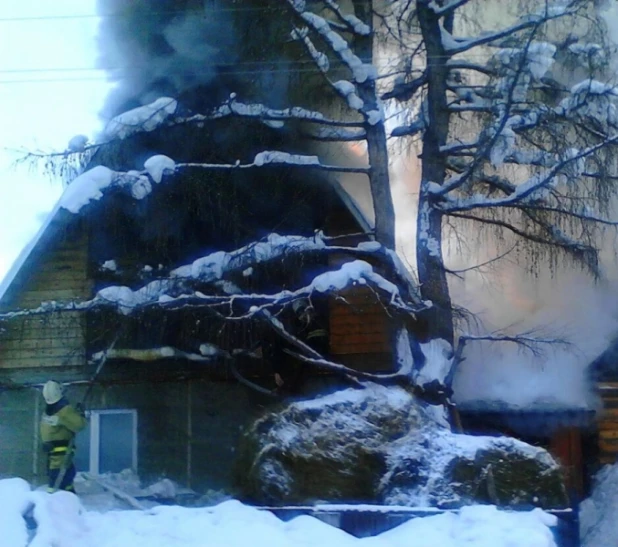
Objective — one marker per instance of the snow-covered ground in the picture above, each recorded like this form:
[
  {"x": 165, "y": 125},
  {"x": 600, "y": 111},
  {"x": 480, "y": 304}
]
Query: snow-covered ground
[
  {"x": 64, "y": 522},
  {"x": 599, "y": 513}
]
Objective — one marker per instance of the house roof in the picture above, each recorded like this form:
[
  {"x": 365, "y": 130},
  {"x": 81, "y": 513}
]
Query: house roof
[
  {"x": 535, "y": 420},
  {"x": 605, "y": 366},
  {"x": 27, "y": 252}
]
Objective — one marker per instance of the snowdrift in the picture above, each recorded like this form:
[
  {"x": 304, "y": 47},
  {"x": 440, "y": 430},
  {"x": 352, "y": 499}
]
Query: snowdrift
[{"x": 62, "y": 522}]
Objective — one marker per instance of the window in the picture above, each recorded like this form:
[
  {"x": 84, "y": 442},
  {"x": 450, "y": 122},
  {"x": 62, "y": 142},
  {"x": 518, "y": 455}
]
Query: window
[{"x": 109, "y": 443}]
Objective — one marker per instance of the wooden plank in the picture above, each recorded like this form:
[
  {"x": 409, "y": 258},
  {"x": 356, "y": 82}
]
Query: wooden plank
[
  {"x": 51, "y": 294},
  {"x": 609, "y": 433},
  {"x": 43, "y": 333},
  {"x": 59, "y": 354},
  {"x": 607, "y": 385},
  {"x": 345, "y": 327},
  {"x": 351, "y": 319},
  {"x": 359, "y": 338},
  {"x": 69, "y": 339},
  {"x": 358, "y": 327},
  {"x": 608, "y": 447},
  {"x": 354, "y": 349},
  {"x": 366, "y": 311},
  {"x": 609, "y": 413},
  {"x": 77, "y": 360}
]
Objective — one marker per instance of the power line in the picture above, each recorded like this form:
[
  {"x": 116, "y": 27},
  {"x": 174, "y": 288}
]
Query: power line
[
  {"x": 264, "y": 66},
  {"x": 209, "y": 11}
]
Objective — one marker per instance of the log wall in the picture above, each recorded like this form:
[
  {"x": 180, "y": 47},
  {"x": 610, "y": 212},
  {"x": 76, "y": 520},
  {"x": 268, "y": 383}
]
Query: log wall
[
  {"x": 55, "y": 272},
  {"x": 608, "y": 423}
]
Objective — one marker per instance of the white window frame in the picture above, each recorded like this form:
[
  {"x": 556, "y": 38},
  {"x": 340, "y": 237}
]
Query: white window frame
[{"x": 95, "y": 437}]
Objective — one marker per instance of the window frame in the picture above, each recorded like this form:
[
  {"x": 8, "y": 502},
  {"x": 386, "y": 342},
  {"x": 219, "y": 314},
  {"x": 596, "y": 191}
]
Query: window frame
[{"x": 94, "y": 456}]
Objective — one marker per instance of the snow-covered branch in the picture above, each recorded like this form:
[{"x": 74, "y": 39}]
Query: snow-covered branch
[
  {"x": 319, "y": 58},
  {"x": 361, "y": 72},
  {"x": 454, "y": 46},
  {"x": 335, "y": 134},
  {"x": 91, "y": 185},
  {"x": 276, "y": 157},
  {"x": 404, "y": 91},
  {"x": 162, "y": 352},
  {"x": 352, "y": 23},
  {"x": 178, "y": 292},
  {"x": 163, "y": 112},
  {"x": 529, "y": 190},
  {"x": 447, "y": 7}
]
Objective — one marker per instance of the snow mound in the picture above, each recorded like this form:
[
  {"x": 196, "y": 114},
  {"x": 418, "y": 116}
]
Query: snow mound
[
  {"x": 62, "y": 522},
  {"x": 159, "y": 165},
  {"x": 439, "y": 361},
  {"x": 89, "y": 186},
  {"x": 599, "y": 513},
  {"x": 142, "y": 118},
  {"x": 277, "y": 157},
  {"x": 383, "y": 445}
]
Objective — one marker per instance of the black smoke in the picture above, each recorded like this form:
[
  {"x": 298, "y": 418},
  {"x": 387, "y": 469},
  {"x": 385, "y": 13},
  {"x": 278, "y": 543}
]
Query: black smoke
[{"x": 198, "y": 52}]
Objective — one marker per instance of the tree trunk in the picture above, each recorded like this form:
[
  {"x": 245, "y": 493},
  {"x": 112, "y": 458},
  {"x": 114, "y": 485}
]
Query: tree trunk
[
  {"x": 430, "y": 260},
  {"x": 377, "y": 150}
]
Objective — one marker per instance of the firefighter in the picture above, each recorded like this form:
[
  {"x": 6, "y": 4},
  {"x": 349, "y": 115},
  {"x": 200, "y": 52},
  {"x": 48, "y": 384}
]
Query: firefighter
[{"x": 59, "y": 425}]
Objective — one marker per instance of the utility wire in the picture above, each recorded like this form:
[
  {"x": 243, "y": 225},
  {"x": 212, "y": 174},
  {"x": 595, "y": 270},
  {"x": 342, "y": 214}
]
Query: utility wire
[
  {"x": 206, "y": 12},
  {"x": 265, "y": 63}
]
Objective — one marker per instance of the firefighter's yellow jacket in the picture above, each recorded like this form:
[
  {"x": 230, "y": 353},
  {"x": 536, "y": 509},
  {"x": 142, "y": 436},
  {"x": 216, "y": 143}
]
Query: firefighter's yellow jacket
[{"x": 59, "y": 424}]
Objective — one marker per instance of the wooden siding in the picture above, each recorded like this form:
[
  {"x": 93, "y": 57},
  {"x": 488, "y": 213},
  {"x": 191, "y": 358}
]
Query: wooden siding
[
  {"x": 58, "y": 273},
  {"x": 566, "y": 447},
  {"x": 358, "y": 323},
  {"x": 608, "y": 423}
]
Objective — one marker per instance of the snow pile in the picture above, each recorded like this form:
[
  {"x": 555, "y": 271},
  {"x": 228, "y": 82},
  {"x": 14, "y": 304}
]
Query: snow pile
[
  {"x": 127, "y": 299},
  {"x": 142, "y": 118},
  {"x": 348, "y": 90},
  {"x": 438, "y": 362},
  {"x": 599, "y": 513},
  {"x": 89, "y": 186},
  {"x": 109, "y": 265},
  {"x": 77, "y": 143},
  {"x": 383, "y": 445},
  {"x": 14, "y": 500},
  {"x": 540, "y": 58},
  {"x": 276, "y": 157},
  {"x": 158, "y": 165},
  {"x": 213, "y": 266},
  {"x": 586, "y": 50},
  {"x": 591, "y": 98},
  {"x": 482, "y": 526},
  {"x": 355, "y": 272},
  {"x": 62, "y": 522}
]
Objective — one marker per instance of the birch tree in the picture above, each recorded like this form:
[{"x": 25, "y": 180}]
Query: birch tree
[{"x": 517, "y": 131}]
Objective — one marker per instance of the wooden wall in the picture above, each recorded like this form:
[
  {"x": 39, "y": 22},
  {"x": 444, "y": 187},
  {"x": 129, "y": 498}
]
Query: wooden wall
[
  {"x": 608, "y": 423},
  {"x": 358, "y": 323},
  {"x": 54, "y": 271}
]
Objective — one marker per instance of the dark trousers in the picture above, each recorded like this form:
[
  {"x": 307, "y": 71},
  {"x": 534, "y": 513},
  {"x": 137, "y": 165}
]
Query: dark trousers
[{"x": 67, "y": 480}]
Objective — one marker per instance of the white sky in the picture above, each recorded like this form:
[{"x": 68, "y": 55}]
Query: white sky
[{"x": 39, "y": 38}]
